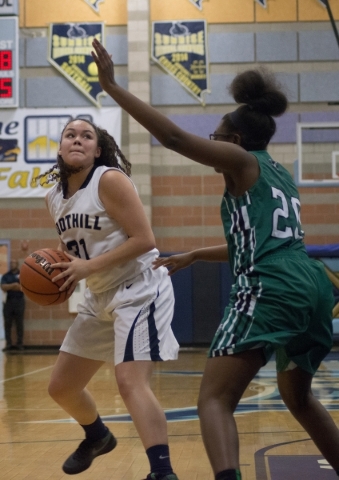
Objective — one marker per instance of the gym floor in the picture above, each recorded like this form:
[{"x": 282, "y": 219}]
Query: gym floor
[{"x": 36, "y": 436}]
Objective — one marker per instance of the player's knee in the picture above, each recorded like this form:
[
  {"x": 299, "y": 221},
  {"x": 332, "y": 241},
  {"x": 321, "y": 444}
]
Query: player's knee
[
  {"x": 296, "y": 401},
  {"x": 57, "y": 391},
  {"x": 211, "y": 401},
  {"x": 125, "y": 385},
  {"x": 202, "y": 402}
]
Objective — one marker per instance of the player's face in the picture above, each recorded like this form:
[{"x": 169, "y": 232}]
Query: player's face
[
  {"x": 79, "y": 144},
  {"x": 222, "y": 134}
]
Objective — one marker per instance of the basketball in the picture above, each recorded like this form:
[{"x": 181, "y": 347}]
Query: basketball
[{"x": 36, "y": 276}]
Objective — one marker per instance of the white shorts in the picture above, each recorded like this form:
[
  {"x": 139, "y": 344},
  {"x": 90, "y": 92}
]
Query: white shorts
[{"x": 130, "y": 322}]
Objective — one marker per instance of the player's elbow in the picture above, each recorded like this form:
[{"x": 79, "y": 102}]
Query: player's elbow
[
  {"x": 150, "y": 245},
  {"x": 174, "y": 141},
  {"x": 147, "y": 244},
  {"x": 142, "y": 242}
]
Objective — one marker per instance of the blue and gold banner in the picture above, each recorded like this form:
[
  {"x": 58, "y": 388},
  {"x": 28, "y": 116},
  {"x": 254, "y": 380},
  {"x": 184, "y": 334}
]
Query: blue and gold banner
[
  {"x": 197, "y": 3},
  {"x": 29, "y": 143},
  {"x": 262, "y": 2},
  {"x": 180, "y": 48},
  {"x": 70, "y": 46},
  {"x": 323, "y": 2},
  {"x": 94, "y": 4}
]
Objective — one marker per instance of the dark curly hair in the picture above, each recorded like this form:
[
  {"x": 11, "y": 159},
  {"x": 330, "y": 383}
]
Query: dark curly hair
[
  {"x": 261, "y": 98},
  {"x": 110, "y": 156}
]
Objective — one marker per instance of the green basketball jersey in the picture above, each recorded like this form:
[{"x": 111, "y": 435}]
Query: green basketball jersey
[{"x": 263, "y": 220}]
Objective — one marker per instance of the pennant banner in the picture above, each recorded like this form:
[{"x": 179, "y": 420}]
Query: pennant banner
[
  {"x": 323, "y": 2},
  {"x": 180, "y": 48},
  {"x": 197, "y": 3},
  {"x": 94, "y": 4},
  {"x": 70, "y": 46}
]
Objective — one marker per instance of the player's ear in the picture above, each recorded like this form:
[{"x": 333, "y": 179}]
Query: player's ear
[
  {"x": 98, "y": 152},
  {"x": 237, "y": 139}
]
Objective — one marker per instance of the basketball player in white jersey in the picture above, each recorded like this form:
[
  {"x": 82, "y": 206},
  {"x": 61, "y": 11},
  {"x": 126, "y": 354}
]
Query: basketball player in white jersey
[{"x": 127, "y": 309}]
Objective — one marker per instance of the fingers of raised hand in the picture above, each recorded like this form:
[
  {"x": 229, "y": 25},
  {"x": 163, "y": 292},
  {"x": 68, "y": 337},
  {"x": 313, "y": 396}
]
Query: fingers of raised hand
[{"x": 99, "y": 49}]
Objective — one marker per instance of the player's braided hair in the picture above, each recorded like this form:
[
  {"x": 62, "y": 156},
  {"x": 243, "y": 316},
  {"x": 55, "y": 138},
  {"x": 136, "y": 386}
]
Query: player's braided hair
[
  {"x": 110, "y": 156},
  {"x": 261, "y": 98}
]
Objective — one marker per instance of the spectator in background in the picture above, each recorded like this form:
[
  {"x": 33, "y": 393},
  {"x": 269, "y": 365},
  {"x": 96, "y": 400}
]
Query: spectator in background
[{"x": 14, "y": 307}]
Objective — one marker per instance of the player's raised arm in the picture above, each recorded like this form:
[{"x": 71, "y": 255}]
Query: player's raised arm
[{"x": 228, "y": 157}]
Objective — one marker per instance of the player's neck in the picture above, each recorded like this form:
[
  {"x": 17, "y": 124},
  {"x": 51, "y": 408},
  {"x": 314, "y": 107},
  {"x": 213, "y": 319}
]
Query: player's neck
[{"x": 76, "y": 180}]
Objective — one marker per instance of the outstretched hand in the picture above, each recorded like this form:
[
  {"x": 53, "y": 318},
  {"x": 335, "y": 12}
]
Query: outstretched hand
[
  {"x": 174, "y": 262},
  {"x": 105, "y": 65}
]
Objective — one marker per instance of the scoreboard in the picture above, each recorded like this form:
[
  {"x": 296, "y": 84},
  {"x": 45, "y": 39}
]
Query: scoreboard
[{"x": 9, "y": 62}]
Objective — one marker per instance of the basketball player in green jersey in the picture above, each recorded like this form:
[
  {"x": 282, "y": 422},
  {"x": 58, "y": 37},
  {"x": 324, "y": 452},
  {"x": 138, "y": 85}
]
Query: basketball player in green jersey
[{"x": 281, "y": 300}]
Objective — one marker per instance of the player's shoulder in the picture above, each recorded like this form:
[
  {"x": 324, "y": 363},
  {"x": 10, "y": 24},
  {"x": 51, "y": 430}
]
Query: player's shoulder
[
  {"x": 112, "y": 175},
  {"x": 54, "y": 190}
]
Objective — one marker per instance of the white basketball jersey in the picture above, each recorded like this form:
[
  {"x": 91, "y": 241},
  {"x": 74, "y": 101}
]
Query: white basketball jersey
[{"x": 87, "y": 231}]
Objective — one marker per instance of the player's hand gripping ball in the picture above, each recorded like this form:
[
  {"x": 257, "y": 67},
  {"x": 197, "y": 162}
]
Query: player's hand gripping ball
[{"x": 36, "y": 276}]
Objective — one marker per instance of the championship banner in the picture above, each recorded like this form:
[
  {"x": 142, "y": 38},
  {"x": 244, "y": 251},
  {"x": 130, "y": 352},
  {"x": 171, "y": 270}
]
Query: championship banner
[
  {"x": 263, "y": 3},
  {"x": 197, "y": 3},
  {"x": 180, "y": 48},
  {"x": 29, "y": 142},
  {"x": 94, "y": 4},
  {"x": 70, "y": 47}
]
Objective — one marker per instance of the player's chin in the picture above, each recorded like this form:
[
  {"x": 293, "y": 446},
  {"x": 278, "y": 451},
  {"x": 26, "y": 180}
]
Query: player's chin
[{"x": 75, "y": 159}]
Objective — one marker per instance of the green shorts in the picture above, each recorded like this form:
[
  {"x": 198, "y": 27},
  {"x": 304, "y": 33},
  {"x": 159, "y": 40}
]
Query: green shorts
[{"x": 284, "y": 305}]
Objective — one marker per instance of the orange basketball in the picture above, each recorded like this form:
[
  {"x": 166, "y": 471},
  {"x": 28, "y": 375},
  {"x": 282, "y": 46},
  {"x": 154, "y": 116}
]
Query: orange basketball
[{"x": 36, "y": 276}]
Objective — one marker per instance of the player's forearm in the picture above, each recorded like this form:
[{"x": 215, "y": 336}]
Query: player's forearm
[
  {"x": 218, "y": 253},
  {"x": 129, "y": 250},
  {"x": 163, "y": 129}
]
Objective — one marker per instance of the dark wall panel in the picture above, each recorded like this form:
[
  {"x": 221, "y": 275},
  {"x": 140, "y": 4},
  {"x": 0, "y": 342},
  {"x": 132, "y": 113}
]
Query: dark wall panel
[
  {"x": 206, "y": 301},
  {"x": 182, "y": 323}
]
